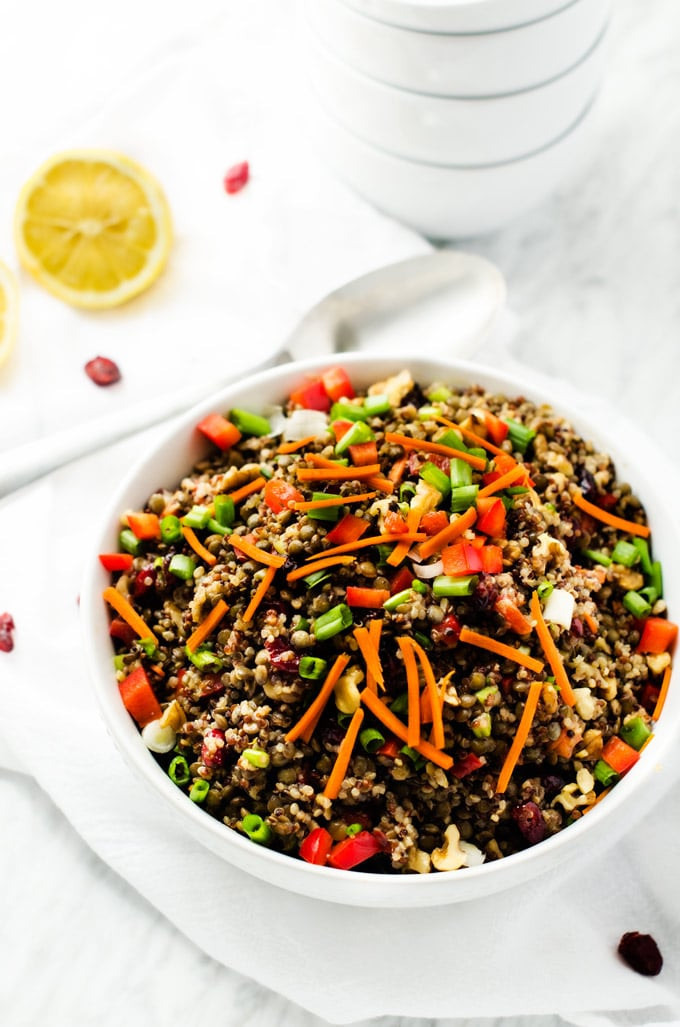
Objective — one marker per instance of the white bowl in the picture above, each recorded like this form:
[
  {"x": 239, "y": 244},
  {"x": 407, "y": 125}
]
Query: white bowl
[
  {"x": 448, "y": 130},
  {"x": 486, "y": 64},
  {"x": 449, "y": 202},
  {"x": 172, "y": 459},
  {"x": 466, "y": 16}
]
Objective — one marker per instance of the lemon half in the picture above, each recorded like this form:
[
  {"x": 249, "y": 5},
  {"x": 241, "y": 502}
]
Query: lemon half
[
  {"x": 9, "y": 312},
  {"x": 93, "y": 227}
]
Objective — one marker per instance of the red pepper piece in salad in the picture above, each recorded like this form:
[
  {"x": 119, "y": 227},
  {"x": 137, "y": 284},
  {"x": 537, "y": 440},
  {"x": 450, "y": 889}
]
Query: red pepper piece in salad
[
  {"x": 467, "y": 765},
  {"x": 368, "y": 598},
  {"x": 491, "y": 516},
  {"x": 316, "y": 846},
  {"x": 311, "y": 396},
  {"x": 219, "y": 430},
  {"x": 461, "y": 559},
  {"x": 116, "y": 561},
  {"x": 619, "y": 755},
  {"x": 145, "y": 525},
  {"x": 139, "y": 697},
  {"x": 353, "y": 851},
  {"x": 349, "y": 529},
  {"x": 278, "y": 494},
  {"x": 657, "y": 636},
  {"x": 337, "y": 384},
  {"x": 434, "y": 522}
]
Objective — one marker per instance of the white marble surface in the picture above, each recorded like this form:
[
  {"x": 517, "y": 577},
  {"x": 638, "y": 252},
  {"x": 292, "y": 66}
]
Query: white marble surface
[{"x": 594, "y": 278}]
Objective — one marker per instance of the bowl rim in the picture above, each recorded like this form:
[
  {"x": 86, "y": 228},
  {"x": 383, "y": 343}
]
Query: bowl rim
[
  {"x": 214, "y": 834},
  {"x": 470, "y": 17}
]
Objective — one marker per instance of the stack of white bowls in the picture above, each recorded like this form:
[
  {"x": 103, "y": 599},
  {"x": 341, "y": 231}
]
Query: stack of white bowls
[{"x": 454, "y": 116}]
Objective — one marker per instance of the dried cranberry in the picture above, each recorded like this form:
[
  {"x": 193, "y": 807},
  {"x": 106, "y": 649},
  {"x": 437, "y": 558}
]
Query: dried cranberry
[
  {"x": 552, "y": 785},
  {"x": 486, "y": 593},
  {"x": 587, "y": 485},
  {"x": 211, "y": 684},
  {"x": 332, "y": 734},
  {"x": 122, "y": 631},
  {"x": 6, "y": 629},
  {"x": 414, "y": 463},
  {"x": 282, "y": 657},
  {"x": 144, "y": 580},
  {"x": 577, "y": 627},
  {"x": 102, "y": 371},
  {"x": 447, "y": 632},
  {"x": 382, "y": 840},
  {"x": 530, "y": 822},
  {"x": 641, "y": 953},
  {"x": 213, "y": 749},
  {"x": 236, "y": 177}
]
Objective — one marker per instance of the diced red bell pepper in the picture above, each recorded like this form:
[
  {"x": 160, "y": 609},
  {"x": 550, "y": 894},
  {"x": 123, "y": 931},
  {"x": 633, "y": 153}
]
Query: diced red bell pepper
[
  {"x": 145, "y": 525},
  {"x": 316, "y": 846},
  {"x": 395, "y": 523},
  {"x": 469, "y": 763},
  {"x": 513, "y": 616},
  {"x": 311, "y": 396},
  {"x": 657, "y": 636},
  {"x": 397, "y": 469},
  {"x": 496, "y": 429},
  {"x": 390, "y": 749},
  {"x": 139, "y": 698},
  {"x": 121, "y": 630},
  {"x": 503, "y": 462},
  {"x": 461, "y": 559},
  {"x": 353, "y": 851},
  {"x": 447, "y": 632},
  {"x": 401, "y": 580},
  {"x": 649, "y": 697},
  {"x": 490, "y": 477},
  {"x": 363, "y": 453},
  {"x": 219, "y": 430},
  {"x": 369, "y": 598},
  {"x": 340, "y": 428},
  {"x": 349, "y": 529},
  {"x": 337, "y": 384},
  {"x": 619, "y": 755},
  {"x": 434, "y": 522},
  {"x": 116, "y": 561},
  {"x": 491, "y": 516},
  {"x": 492, "y": 559},
  {"x": 278, "y": 494}
]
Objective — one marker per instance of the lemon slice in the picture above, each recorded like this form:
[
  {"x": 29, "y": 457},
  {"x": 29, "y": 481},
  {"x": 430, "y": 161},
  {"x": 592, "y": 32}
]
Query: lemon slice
[
  {"x": 9, "y": 312},
  {"x": 93, "y": 227}
]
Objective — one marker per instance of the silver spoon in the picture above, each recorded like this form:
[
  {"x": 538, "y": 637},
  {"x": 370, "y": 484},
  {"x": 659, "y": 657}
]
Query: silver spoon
[{"x": 470, "y": 289}]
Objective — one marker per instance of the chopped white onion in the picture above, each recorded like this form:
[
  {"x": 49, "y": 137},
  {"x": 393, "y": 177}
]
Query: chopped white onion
[
  {"x": 559, "y": 607},
  {"x": 158, "y": 738},
  {"x": 276, "y": 417},
  {"x": 302, "y": 423},
  {"x": 428, "y": 570},
  {"x": 474, "y": 857}
]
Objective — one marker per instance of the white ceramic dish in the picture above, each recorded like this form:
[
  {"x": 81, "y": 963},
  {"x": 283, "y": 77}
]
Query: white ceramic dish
[
  {"x": 468, "y": 16},
  {"x": 447, "y": 130},
  {"x": 486, "y": 64},
  {"x": 449, "y": 202},
  {"x": 173, "y": 457}
]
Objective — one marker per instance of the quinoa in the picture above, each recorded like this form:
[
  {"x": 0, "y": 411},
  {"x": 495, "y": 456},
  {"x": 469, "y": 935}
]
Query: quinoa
[{"x": 233, "y": 701}]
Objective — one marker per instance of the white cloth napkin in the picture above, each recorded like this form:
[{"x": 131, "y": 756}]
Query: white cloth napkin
[{"x": 242, "y": 269}]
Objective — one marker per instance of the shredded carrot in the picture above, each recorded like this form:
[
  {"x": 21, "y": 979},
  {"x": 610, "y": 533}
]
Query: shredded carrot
[
  {"x": 292, "y": 447},
  {"x": 374, "y": 632},
  {"x": 502, "y": 483},
  {"x": 591, "y": 622},
  {"x": 337, "y": 774},
  {"x": 369, "y": 653},
  {"x": 565, "y": 743},
  {"x": 310, "y": 718},
  {"x": 378, "y": 481},
  {"x": 397, "y": 470},
  {"x": 407, "y": 442},
  {"x": 520, "y": 738},
  {"x": 159, "y": 672},
  {"x": 321, "y": 461},
  {"x": 451, "y": 531},
  {"x": 400, "y": 551},
  {"x": 433, "y": 693},
  {"x": 337, "y": 473},
  {"x": 614, "y": 522},
  {"x": 302, "y": 572},
  {"x": 551, "y": 653},
  {"x": 508, "y": 652},
  {"x": 605, "y": 792},
  {"x": 207, "y": 626},
  {"x": 259, "y": 594},
  {"x": 321, "y": 504},
  {"x": 372, "y": 540},
  {"x": 247, "y": 490},
  {"x": 374, "y": 481},
  {"x": 123, "y": 607},
  {"x": 255, "y": 553},
  {"x": 413, "y": 685},
  {"x": 467, "y": 433},
  {"x": 381, "y": 712},
  {"x": 663, "y": 692},
  {"x": 192, "y": 539}
]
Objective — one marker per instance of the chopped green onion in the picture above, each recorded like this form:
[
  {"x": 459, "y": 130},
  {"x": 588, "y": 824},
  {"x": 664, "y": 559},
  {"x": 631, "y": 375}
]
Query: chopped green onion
[
  {"x": 406, "y": 490},
  {"x": 605, "y": 774},
  {"x": 171, "y": 529},
  {"x": 404, "y": 509},
  {"x": 347, "y": 412},
  {"x": 400, "y": 705},
  {"x": 204, "y": 659},
  {"x": 481, "y": 725},
  {"x": 645, "y": 559},
  {"x": 508, "y": 502},
  {"x": 331, "y": 623},
  {"x": 597, "y": 557},
  {"x": 119, "y": 661},
  {"x": 545, "y": 589},
  {"x": 461, "y": 473},
  {"x": 301, "y": 624},
  {"x": 439, "y": 395},
  {"x": 486, "y": 693},
  {"x": 650, "y": 594},
  {"x": 266, "y": 471},
  {"x": 383, "y": 552},
  {"x": 391, "y": 604},
  {"x": 128, "y": 541},
  {"x": 316, "y": 578},
  {"x": 250, "y": 424},
  {"x": 358, "y": 433},
  {"x": 197, "y": 517},
  {"x": 178, "y": 771},
  {"x": 199, "y": 790},
  {"x": 413, "y": 754},
  {"x": 353, "y": 829},
  {"x": 148, "y": 645},
  {"x": 158, "y": 562},
  {"x": 375, "y": 405},
  {"x": 636, "y": 604},
  {"x": 344, "y": 718},
  {"x": 312, "y": 667},
  {"x": 257, "y": 758},
  {"x": 218, "y": 529},
  {"x": 424, "y": 640},
  {"x": 324, "y": 513},
  {"x": 519, "y": 436},
  {"x": 453, "y": 440},
  {"x": 517, "y": 490},
  {"x": 656, "y": 577},
  {"x": 182, "y": 566},
  {"x": 434, "y": 476},
  {"x": 371, "y": 739},
  {"x": 635, "y": 732},
  {"x": 463, "y": 497},
  {"x": 419, "y": 586},
  {"x": 256, "y": 829},
  {"x": 225, "y": 511},
  {"x": 445, "y": 585},
  {"x": 426, "y": 413},
  {"x": 625, "y": 553}
]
